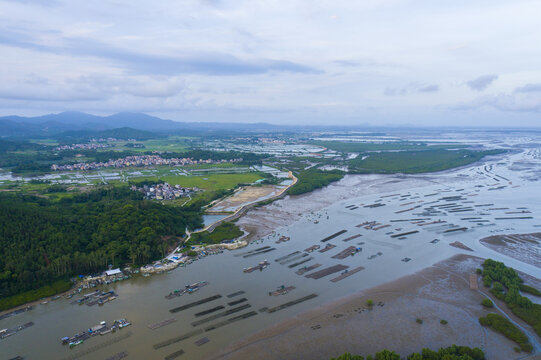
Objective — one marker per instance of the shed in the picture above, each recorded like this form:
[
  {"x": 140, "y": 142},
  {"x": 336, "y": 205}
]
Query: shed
[{"x": 113, "y": 272}]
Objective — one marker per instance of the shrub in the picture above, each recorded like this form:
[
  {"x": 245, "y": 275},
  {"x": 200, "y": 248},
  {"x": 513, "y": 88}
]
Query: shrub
[
  {"x": 487, "y": 303},
  {"x": 443, "y": 322},
  {"x": 508, "y": 329},
  {"x": 419, "y": 321},
  {"x": 370, "y": 302}
]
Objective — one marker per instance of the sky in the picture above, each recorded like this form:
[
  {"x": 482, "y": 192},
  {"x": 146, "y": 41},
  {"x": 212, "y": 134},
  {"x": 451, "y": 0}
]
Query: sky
[{"x": 378, "y": 62}]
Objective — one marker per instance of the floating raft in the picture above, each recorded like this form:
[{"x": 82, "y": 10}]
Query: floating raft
[
  {"x": 352, "y": 237},
  {"x": 231, "y": 320},
  {"x": 282, "y": 290},
  {"x": 312, "y": 248},
  {"x": 291, "y": 303},
  {"x": 334, "y": 235},
  {"x": 327, "y": 248},
  {"x": 161, "y": 323},
  {"x": 293, "y": 259},
  {"x": 177, "y": 339},
  {"x": 405, "y": 234},
  {"x": 259, "y": 252},
  {"x": 195, "y": 303},
  {"x": 202, "y": 341},
  {"x": 349, "y": 273},
  {"x": 300, "y": 262},
  {"x": 327, "y": 271},
  {"x": 118, "y": 356},
  {"x": 306, "y": 269},
  {"x": 209, "y": 311},
  {"x": 235, "y": 294},
  {"x": 252, "y": 251},
  {"x": 174, "y": 355},
  {"x": 222, "y": 314},
  {"x": 236, "y": 302},
  {"x": 287, "y": 256},
  {"x": 345, "y": 253}
]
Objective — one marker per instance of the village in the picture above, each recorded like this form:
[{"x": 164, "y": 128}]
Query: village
[
  {"x": 164, "y": 191},
  {"x": 138, "y": 161}
]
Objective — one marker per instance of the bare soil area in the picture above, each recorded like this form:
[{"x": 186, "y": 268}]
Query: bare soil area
[
  {"x": 523, "y": 247},
  {"x": 246, "y": 195},
  {"x": 440, "y": 292}
]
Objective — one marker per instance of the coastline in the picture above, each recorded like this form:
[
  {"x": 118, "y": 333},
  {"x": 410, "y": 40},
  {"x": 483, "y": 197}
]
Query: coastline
[{"x": 438, "y": 292}]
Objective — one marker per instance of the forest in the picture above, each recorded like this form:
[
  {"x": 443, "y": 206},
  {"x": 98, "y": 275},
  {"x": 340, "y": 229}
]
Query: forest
[
  {"x": 506, "y": 285},
  {"x": 311, "y": 179},
  {"x": 43, "y": 240}
]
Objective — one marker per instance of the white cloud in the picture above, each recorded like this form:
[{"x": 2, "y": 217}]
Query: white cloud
[{"x": 271, "y": 57}]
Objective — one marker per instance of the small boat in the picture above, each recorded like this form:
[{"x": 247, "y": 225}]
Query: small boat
[{"x": 75, "y": 343}]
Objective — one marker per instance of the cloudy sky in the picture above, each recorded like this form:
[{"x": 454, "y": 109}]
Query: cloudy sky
[{"x": 420, "y": 62}]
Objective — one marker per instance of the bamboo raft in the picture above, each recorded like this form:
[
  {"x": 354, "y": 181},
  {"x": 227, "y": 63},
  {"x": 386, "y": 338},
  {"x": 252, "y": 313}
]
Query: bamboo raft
[
  {"x": 202, "y": 341},
  {"x": 300, "y": 262},
  {"x": 118, "y": 356},
  {"x": 222, "y": 314},
  {"x": 282, "y": 290},
  {"x": 287, "y": 256},
  {"x": 293, "y": 259},
  {"x": 259, "y": 252},
  {"x": 334, "y": 235},
  {"x": 327, "y": 248},
  {"x": 348, "y": 273},
  {"x": 235, "y": 294},
  {"x": 352, "y": 237},
  {"x": 177, "y": 339},
  {"x": 236, "y": 302},
  {"x": 305, "y": 269},
  {"x": 405, "y": 234},
  {"x": 327, "y": 271},
  {"x": 209, "y": 311},
  {"x": 174, "y": 355},
  {"x": 291, "y": 303},
  {"x": 230, "y": 321},
  {"x": 345, "y": 253},
  {"x": 161, "y": 323},
  {"x": 312, "y": 248},
  {"x": 195, "y": 303},
  {"x": 252, "y": 251}
]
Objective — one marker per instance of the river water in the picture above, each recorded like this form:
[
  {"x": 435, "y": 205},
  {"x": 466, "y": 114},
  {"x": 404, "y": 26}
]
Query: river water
[{"x": 141, "y": 300}]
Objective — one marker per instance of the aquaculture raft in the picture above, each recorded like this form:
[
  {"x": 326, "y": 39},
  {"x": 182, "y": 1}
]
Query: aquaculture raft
[
  {"x": 327, "y": 271},
  {"x": 346, "y": 273}
]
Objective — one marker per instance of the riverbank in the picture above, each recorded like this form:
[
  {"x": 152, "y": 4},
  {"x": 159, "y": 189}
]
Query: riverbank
[{"x": 439, "y": 292}]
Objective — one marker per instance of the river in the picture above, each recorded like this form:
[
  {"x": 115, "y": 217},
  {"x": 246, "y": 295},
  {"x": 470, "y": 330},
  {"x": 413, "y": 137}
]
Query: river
[{"x": 311, "y": 218}]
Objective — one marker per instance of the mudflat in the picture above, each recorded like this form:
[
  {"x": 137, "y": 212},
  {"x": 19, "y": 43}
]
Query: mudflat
[{"x": 440, "y": 292}]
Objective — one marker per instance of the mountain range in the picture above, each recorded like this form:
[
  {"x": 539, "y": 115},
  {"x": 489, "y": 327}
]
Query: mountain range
[{"x": 54, "y": 124}]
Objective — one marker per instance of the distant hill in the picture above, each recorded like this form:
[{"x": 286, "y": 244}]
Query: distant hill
[
  {"x": 123, "y": 133},
  {"x": 53, "y": 124}
]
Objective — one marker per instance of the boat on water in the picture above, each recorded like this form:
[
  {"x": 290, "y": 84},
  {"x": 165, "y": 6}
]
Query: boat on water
[
  {"x": 75, "y": 343},
  {"x": 262, "y": 265},
  {"x": 281, "y": 290}
]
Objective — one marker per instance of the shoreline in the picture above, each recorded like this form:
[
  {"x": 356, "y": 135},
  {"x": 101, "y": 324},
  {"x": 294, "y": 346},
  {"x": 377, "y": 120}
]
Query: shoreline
[{"x": 347, "y": 319}]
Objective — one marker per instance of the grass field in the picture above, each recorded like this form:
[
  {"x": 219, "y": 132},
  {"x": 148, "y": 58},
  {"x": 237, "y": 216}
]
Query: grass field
[{"x": 212, "y": 181}]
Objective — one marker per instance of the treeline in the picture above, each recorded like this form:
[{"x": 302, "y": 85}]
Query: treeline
[
  {"x": 412, "y": 162},
  {"x": 507, "y": 329},
  {"x": 222, "y": 233},
  {"x": 42, "y": 241},
  {"x": 506, "y": 285},
  {"x": 311, "y": 179},
  {"x": 453, "y": 352}
]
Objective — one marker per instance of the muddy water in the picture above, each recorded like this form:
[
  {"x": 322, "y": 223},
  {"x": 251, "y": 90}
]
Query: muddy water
[{"x": 306, "y": 220}]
